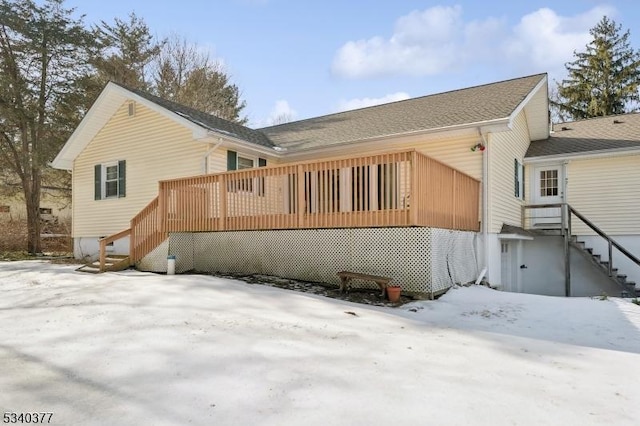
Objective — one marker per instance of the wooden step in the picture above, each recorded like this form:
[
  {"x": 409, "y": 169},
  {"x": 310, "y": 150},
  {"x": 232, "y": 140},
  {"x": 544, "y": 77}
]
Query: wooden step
[{"x": 113, "y": 263}]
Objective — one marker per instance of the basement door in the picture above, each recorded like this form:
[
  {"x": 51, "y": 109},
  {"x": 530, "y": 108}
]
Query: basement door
[{"x": 547, "y": 189}]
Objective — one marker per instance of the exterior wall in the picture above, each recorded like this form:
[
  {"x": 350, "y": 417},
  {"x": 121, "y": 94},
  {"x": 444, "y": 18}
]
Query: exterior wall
[
  {"x": 57, "y": 201},
  {"x": 504, "y": 147},
  {"x": 87, "y": 248},
  {"x": 544, "y": 273},
  {"x": 154, "y": 148},
  {"x": 607, "y": 192},
  {"x": 418, "y": 259}
]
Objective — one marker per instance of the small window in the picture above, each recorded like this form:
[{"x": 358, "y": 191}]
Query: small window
[
  {"x": 45, "y": 210},
  {"x": 549, "y": 183},
  {"x": 110, "y": 180},
  {"x": 244, "y": 163},
  {"x": 5, "y": 209}
]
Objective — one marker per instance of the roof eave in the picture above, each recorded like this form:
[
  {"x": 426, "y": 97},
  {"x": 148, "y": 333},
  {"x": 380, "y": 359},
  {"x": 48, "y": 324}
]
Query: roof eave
[
  {"x": 602, "y": 153},
  {"x": 81, "y": 136}
]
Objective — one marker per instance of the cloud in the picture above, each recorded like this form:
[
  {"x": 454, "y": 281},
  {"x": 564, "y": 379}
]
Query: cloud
[
  {"x": 438, "y": 40},
  {"x": 345, "y": 105},
  {"x": 281, "y": 113},
  {"x": 545, "y": 40}
]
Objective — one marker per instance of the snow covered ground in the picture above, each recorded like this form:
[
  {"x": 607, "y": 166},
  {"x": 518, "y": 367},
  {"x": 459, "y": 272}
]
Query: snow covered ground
[{"x": 134, "y": 348}]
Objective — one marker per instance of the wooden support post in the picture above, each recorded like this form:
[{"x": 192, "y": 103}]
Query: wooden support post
[
  {"x": 222, "y": 193},
  {"x": 103, "y": 254},
  {"x": 413, "y": 197},
  {"x": 300, "y": 202}
]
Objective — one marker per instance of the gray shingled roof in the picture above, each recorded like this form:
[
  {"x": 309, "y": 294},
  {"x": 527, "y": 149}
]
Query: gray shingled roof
[
  {"x": 595, "y": 134},
  {"x": 466, "y": 106},
  {"x": 207, "y": 121}
]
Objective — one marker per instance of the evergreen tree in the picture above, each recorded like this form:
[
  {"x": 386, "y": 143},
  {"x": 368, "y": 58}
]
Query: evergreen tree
[
  {"x": 126, "y": 49},
  {"x": 604, "y": 79},
  {"x": 44, "y": 52}
]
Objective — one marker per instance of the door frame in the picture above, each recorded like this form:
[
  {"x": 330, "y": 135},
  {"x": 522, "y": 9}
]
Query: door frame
[{"x": 534, "y": 183}]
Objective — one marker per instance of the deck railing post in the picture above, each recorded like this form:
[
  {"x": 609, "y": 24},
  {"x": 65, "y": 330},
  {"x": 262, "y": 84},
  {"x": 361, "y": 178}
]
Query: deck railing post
[
  {"x": 103, "y": 254},
  {"x": 300, "y": 203},
  {"x": 564, "y": 212},
  {"x": 413, "y": 195},
  {"x": 222, "y": 193}
]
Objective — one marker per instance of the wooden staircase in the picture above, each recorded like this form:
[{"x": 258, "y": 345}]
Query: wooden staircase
[
  {"x": 114, "y": 262},
  {"x": 628, "y": 288}
]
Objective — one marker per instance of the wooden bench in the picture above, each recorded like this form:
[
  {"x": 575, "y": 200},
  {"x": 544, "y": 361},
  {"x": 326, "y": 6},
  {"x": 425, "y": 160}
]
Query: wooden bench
[{"x": 346, "y": 276}]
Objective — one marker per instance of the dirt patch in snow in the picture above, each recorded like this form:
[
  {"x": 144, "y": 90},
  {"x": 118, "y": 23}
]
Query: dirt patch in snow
[{"x": 356, "y": 295}]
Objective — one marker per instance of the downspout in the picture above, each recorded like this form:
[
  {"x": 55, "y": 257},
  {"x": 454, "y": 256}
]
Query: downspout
[
  {"x": 205, "y": 163},
  {"x": 485, "y": 203}
]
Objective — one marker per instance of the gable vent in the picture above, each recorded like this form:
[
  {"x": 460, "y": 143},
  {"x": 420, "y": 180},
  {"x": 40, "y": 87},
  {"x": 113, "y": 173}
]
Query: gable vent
[{"x": 132, "y": 109}]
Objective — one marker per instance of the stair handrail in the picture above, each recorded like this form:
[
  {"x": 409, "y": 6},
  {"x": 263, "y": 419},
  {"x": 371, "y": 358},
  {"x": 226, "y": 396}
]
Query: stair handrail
[
  {"x": 611, "y": 242},
  {"x": 109, "y": 239}
]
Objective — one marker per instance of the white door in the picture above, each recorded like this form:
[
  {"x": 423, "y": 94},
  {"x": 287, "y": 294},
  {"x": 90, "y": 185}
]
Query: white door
[
  {"x": 506, "y": 265},
  {"x": 547, "y": 189}
]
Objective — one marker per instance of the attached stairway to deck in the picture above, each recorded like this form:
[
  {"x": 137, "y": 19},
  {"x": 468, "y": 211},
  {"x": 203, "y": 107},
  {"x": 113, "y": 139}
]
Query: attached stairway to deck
[{"x": 563, "y": 228}]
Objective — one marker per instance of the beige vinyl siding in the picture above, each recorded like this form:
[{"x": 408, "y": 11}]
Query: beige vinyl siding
[
  {"x": 453, "y": 151},
  {"x": 607, "y": 192},
  {"x": 154, "y": 148},
  {"x": 503, "y": 148}
]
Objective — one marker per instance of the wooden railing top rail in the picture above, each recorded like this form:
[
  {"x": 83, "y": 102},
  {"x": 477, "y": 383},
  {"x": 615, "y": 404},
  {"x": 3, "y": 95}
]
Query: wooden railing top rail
[
  {"x": 106, "y": 240},
  {"x": 348, "y": 160},
  {"x": 116, "y": 236}
]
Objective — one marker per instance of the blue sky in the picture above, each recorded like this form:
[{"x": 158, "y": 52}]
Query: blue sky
[{"x": 310, "y": 58}]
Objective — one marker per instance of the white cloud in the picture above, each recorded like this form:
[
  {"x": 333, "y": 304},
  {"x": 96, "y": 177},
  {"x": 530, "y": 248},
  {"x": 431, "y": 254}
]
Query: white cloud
[
  {"x": 438, "y": 40},
  {"x": 345, "y": 105},
  {"x": 281, "y": 113},
  {"x": 545, "y": 40}
]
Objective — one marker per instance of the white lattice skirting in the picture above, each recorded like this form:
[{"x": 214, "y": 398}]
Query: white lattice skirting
[{"x": 422, "y": 260}]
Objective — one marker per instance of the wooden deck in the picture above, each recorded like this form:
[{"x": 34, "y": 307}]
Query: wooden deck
[{"x": 394, "y": 189}]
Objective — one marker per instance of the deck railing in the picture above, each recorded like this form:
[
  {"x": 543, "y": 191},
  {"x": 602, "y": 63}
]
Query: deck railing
[{"x": 393, "y": 189}]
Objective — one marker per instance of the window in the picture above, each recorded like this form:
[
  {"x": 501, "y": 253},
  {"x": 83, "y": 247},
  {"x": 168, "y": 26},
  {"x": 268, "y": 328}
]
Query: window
[
  {"x": 45, "y": 210},
  {"x": 518, "y": 175},
  {"x": 236, "y": 161},
  {"x": 549, "y": 183},
  {"x": 110, "y": 180}
]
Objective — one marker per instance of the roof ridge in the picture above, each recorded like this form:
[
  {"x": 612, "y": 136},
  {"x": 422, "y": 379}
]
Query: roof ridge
[{"x": 403, "y": 100}]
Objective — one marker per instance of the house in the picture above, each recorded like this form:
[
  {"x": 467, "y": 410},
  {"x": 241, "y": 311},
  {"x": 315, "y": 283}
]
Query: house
[{"x": 429, "y": 191}]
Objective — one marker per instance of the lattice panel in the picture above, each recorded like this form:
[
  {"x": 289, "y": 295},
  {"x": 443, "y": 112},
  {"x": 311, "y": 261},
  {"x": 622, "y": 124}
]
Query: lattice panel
[
  {"x": 156, "y": 260},
  {"x": 181, "y": 246},
  {"x": 453, "y": 258},
  {"x": 317, "y": 255}
]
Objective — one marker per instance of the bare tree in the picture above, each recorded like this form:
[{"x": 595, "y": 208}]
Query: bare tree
[{"x": 186, "y": 74}]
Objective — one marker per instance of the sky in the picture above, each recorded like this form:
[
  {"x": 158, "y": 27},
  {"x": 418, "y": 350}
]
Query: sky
[
  {"x": 134, "y": 348},
  {"x": 309, "y": 58}
]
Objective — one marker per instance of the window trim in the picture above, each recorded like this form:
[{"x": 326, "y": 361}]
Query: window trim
[
  {"x": 100, "y": 180},
  {"x": 104, "y": 181}
]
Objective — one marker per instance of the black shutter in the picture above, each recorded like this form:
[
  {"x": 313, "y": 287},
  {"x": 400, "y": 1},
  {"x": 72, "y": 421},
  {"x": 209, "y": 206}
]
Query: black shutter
[
  {"x": 232, "y": 160},
  {"x": 122, "y": 178},
  {"x": 262, "y": 162},
  {"x": 97, "y": 191},
  {"x": 522, "y": 177},
  {"x": 516, "y": 168}
]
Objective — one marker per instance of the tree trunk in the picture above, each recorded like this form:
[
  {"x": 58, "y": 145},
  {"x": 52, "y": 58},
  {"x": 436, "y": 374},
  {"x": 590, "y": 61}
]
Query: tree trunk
[{"x": 32, "y": 199}]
